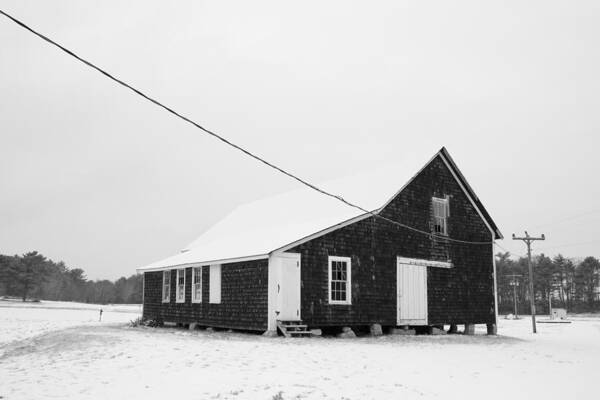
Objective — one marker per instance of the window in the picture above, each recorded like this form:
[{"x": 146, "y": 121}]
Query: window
[
  {"x": 197, "y": 285},
  {"x": 340, "y": 280},
  {"x": 166, "y": 294},
  {"x": 180, "y": 286},
  {"x": 215, "y": 284},
  {"x": 441, "y": 212}
]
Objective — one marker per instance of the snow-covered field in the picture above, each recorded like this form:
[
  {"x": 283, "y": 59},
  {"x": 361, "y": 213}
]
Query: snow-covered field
[
  {"x": 68, "y": 354},
  {"x": 20, "y": 320}
]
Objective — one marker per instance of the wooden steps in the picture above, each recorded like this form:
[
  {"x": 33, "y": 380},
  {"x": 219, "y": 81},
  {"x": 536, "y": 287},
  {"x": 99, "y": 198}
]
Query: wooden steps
[{"x": 293, "y": 329}]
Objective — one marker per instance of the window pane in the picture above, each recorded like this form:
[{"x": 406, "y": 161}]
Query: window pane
[
  {"x": 338, "y": 285},
  {"x": 338, "y": 270}
]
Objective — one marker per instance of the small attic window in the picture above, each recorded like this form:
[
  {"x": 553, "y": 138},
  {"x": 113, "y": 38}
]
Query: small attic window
[{"x": 441, "y": 212}]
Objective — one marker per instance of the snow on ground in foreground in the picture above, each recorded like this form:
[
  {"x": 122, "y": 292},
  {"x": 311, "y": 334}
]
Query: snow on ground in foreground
[
  {"x": 20, "y": 320},
  {"x": 98, "y": 361}
]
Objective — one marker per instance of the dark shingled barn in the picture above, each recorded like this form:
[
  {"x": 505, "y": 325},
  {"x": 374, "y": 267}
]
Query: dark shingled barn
[{"x": 301, "y": 258}]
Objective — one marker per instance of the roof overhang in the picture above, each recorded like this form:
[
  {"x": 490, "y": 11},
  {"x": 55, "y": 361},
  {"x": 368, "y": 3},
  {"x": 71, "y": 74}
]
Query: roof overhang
[
  {"x": 323, "y": 232},
  {"x": 150, "y": 268},
  {"x": 424, "y": 263}
]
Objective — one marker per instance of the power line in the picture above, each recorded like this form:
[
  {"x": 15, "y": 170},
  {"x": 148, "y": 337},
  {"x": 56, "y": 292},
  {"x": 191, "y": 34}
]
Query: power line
[
  {"x": 567, "y": 219},
  {"x": 226, "y": 141},
  {"x": 508, "y": 251},
  {"x": 558, "y": 246}
]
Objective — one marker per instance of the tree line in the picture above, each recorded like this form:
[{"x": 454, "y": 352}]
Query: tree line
[
  {"x": 567, "y": 283},
  {"x": 33, "y": 276},
  {"x": 570, "y": 284}
]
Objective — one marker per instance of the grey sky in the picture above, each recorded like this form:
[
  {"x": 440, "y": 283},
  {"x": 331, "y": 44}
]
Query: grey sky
[{"x": 92, "y": 175}]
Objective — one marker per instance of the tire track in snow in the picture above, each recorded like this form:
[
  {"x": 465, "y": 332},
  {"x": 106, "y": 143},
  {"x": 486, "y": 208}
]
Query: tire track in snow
[{"x": 61, "y": 340}]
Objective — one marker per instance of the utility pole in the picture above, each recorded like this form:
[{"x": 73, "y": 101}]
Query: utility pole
[
  {"x": 514, "y": 282},
  {"x": 528, "y": 240}
]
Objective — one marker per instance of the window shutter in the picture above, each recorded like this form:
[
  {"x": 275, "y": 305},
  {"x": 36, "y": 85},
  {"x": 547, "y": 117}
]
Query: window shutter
[
  {"x": 215, "y": 284},
  {"x": 436, "y": 208},
  {"x": 441, "y": 208}
]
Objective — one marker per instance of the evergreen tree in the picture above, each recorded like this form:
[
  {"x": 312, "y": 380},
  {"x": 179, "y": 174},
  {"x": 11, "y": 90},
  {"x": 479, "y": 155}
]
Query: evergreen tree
[
  {"x": 31, "y": 272},
  {"x": 587, "y": 277}
]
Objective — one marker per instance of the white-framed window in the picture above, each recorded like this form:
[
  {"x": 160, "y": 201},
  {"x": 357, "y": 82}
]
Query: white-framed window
[
  {"x": 340, "y": 280},
  {"x": 197, "y": 285},
  {"x": 214, "y": 289},
  {"x": 166, "y": 291},
  {"x": 180, "y": 286},
  {"x": 441, "y": 212}
]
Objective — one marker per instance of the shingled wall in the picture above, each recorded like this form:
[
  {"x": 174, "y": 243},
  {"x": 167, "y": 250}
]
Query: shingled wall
[
  {"x": 462, "y": 294},
  {"x": 243, "y": 297}
]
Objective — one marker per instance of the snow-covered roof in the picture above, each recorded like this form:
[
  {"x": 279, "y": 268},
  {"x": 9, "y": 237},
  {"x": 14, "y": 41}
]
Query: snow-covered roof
[{"x": 255, "y": 229}]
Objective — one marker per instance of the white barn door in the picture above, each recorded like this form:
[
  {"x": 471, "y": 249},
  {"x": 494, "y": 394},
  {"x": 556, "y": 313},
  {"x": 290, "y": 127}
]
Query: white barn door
[
  {"x": 412, "y": 294},
  {"x": 288, "y": 287}
]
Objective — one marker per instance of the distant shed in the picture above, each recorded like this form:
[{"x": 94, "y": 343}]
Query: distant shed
[{"x": 302, "y": 256}]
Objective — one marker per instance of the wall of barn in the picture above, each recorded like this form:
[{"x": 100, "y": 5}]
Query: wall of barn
[
  {"x": 243, "y": 297},
  {"x": 462, "y": 294}
]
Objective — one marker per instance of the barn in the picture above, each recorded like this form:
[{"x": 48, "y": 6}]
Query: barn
[{"x": 423, "y": 257}]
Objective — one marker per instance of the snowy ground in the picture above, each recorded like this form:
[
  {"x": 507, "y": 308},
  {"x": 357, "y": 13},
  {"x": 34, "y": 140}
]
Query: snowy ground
[
  {"x": 73, "y": 356},
  {"x": 20, "y": 320}
]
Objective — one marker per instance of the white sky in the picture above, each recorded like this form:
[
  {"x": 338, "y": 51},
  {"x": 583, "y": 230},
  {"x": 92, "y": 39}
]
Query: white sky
[{"x": 92, "y": 175}]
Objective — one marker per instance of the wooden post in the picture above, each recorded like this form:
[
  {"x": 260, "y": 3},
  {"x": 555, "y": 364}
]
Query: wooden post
[
  {"x": 453, "y": 328},
  {"x": 469, "y": 329},
  {"x": 492, "y": 329}
]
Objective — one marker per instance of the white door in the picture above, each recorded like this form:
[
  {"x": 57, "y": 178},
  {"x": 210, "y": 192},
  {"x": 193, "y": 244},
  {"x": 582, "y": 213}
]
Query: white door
[
  {"x": 288, "y": 288},
  {"x": 412, "y": 294}
]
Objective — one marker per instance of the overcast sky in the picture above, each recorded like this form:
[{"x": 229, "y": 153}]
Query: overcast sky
[{"x": 92, "y": 175}]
